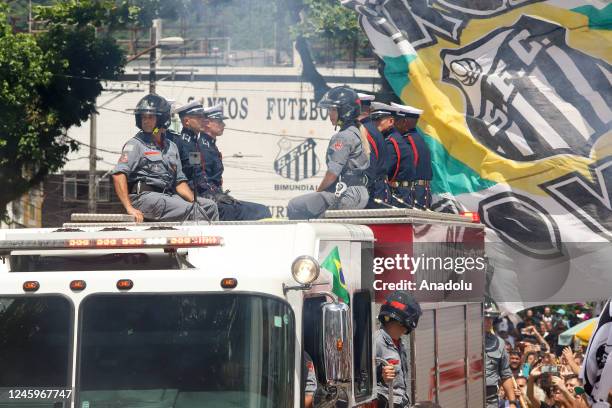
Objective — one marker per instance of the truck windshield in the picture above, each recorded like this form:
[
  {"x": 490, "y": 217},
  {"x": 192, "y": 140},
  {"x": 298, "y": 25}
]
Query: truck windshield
[
  {"x": 35, "y": 347},
  {"x": 178, "y": 350}
]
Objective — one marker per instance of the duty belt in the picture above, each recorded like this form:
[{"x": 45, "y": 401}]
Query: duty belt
[
  {"x": 353, "y": 180},
  {"x": 396, "y": 184},
  {"x": 141, "y": 187}
]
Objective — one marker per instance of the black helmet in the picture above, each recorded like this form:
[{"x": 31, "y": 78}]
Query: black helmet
[
  {"x": 402, "y": 307},
  {"x": 490, "y": 308},
  {"x": 153, "y": 105},
  {"x": 165, "y": 118},
  {"x": 345, "y": 100}
]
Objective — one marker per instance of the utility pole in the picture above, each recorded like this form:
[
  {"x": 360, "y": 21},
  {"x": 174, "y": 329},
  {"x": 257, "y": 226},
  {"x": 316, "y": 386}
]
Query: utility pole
[
  {"x": 156, "y": 29},
  {"x": 30, "y": 16},
  {"x": 92, "y": 204},
  {"x": 152, "y": 58}
]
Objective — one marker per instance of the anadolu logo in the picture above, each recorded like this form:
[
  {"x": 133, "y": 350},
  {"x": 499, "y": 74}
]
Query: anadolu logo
[{"x": 296, "y": 161}]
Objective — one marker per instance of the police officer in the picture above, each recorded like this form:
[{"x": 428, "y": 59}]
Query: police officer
[
  {"x": 406, "y": 125},
  {"x": 344, "y": 183},
  {"x": 497, "y": 362},
  {"x": 400, "y": 164},
  {"x": 378, "y": 188},
  {"x": 192, "y": 121},
  {"x": 148, "y": 177},
  {"x": 399, "y": 315},
  {"x": 210, "y": 183}
]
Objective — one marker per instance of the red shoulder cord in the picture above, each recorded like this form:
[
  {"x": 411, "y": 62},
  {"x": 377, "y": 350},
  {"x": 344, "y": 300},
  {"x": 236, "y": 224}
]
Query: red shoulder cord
[
  {"x": 372, "y": 143},
  {"x": 414, "y": 150},
  {"x": 399, "y": 158}
]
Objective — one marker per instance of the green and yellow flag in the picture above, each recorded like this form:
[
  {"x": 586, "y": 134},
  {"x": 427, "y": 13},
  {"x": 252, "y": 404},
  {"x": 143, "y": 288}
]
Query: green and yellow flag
[
  {"x": 518, "y": 118},
  {"x": 332, "y": 263}
]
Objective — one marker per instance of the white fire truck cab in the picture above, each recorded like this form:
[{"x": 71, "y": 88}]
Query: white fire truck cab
[{"x": 220, "y": 315}]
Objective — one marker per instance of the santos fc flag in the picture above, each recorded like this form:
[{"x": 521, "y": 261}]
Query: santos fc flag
[
  {"x": 517, "y": 100},
  {"x": 597, "y": 367}
]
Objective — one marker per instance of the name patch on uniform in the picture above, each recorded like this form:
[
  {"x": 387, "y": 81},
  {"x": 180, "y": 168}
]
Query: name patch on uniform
[
  {"x": 123, "y": 158},
  {"x": 338, "y": 145},
  {"x": 152, "y": 153}
]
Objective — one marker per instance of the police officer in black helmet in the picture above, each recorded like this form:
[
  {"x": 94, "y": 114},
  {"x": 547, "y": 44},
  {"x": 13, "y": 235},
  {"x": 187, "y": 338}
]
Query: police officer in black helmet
[
  {"x": 497, "y": 362},
  {"x": 398, "y": 316},
  {"x": 148, "y": 177},
  {"x": 344, "y": 183}
]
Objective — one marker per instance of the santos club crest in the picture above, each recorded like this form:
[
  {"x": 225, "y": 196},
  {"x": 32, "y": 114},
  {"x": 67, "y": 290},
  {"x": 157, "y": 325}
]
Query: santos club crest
[
  {"x": 296, "y": 162},
  {"x": 528, "y": 94}
]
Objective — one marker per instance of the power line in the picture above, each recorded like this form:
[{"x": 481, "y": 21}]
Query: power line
[
  {"x": 166, "y": 84},
  {"x": 89, "y": 146},
  {"x": 290, "y": 137},
  {"x": 294, "y": 138}
]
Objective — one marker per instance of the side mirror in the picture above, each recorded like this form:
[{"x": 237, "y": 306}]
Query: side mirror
[{"x": 336, "y": 343}]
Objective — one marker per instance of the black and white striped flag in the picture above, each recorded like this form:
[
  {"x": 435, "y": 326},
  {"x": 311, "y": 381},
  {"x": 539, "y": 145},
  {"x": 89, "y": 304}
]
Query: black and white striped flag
[{"x": 596, "y": 370}]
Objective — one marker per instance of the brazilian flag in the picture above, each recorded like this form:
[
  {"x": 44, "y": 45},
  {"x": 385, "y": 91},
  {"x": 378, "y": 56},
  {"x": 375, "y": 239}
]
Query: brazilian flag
[{"x": 332, "y": 263}]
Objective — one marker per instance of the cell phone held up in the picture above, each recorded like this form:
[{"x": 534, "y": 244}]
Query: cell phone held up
[{"x": 548, "y": 371}]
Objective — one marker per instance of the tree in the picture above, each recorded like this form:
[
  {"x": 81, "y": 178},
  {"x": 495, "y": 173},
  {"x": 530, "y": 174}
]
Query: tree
[
  {"x": 50, "y": 82},
  {"x": 339, "y": 25}
]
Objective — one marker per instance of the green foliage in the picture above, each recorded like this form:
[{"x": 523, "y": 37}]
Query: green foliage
[
  {"x": 148, "y": 10},
  {"x": 332, "y": 30},
  {"x": 87, "y": 13},
  {"x": 328, "y": 19},
  {"x": 50, "y": 82}
]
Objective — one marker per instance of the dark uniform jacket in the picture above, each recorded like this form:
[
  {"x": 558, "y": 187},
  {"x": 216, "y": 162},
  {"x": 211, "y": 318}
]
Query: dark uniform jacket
[
  {"x": 378, "y": 152},
  {"x": 401, "y": 166},
  {"x": 422, "y": 155},
  {"x": 210, "y": 180}
]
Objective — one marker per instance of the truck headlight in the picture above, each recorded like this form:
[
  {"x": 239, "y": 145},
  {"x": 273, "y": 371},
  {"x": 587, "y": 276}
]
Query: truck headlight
[{"x": 305, "y": 269}]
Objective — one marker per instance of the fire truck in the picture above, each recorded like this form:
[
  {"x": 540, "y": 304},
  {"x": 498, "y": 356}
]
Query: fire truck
[{"x": 108, "y": 313}]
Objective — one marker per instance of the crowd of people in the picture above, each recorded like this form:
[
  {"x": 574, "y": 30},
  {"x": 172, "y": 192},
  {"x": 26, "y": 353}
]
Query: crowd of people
[{"x": 544, "y": 374}]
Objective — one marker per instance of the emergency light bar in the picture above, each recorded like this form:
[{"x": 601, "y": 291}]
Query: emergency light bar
[{"x": 171, "y": 242}]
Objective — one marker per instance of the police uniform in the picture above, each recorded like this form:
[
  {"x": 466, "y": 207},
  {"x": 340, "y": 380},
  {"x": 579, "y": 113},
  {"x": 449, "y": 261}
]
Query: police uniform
[
  {"x": 378, "y": 189},
  {"x": 400, "y": 168},
  {"x": 497, "y": 367},
  {"x": 400, "y": 307},
  {"x": 207, "y": 177},
  {"x": 396, "y": 354},
  {"x": 377, "y": 172},
  {"x": 346, "y": 159},
  {"x": 152, "y": 174},
  {"x": 400, "y": 160},
  {"x": 422, "y": 158}
]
